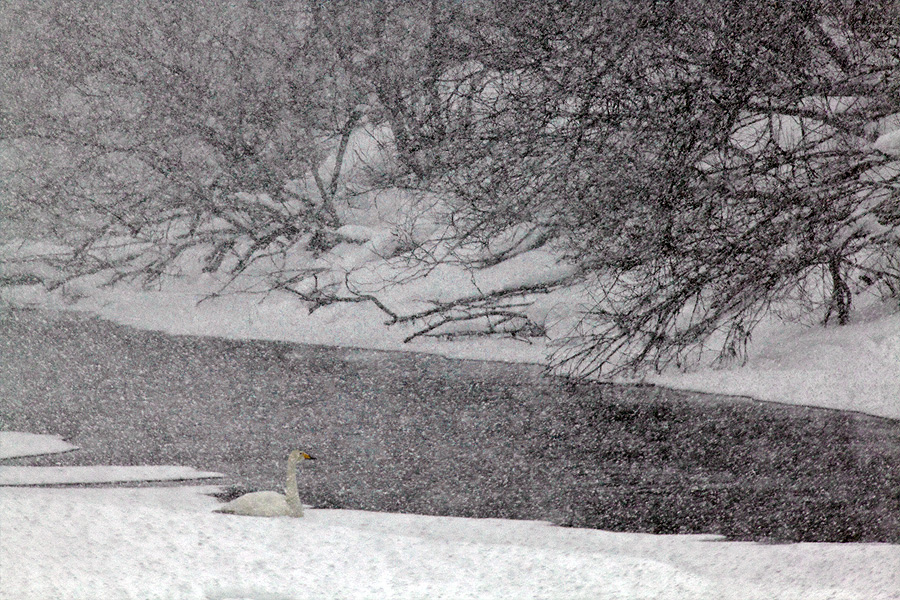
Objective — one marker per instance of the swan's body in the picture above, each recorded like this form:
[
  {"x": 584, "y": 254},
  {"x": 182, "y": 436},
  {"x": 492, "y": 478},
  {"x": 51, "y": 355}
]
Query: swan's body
[
  {"x": 262, "y": 504},
  {"x": 272, "y": 504}
]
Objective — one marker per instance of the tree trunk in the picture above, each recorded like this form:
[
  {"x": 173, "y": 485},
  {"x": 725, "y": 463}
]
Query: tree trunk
[{"x": 840, "y": 292}]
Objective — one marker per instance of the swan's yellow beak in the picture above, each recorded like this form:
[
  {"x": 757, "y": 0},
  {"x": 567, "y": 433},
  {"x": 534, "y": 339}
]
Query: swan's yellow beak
[{"x": 306, "y": 456}]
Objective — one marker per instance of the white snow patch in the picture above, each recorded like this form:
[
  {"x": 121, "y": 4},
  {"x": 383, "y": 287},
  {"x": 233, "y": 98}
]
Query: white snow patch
[
  {"x": 98, "y": 474},
  {"x": 19, "y": 443},
  {"x": 889, "y": 143},
  {"x": 356, "y": 233}
]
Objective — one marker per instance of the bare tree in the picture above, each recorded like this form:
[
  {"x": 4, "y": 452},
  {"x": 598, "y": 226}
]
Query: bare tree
[
  {"x": 775, "y": 197},
  {"x": 156, "y": 130},
  {"x": 702, "y": 163},
  {"x": 697, "y": 163}
]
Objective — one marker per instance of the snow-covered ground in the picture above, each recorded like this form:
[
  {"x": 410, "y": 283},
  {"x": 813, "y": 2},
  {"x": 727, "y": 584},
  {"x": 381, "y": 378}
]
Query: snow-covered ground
[
  {"x": 166, "y": 543},
  {"x": 855, "y": 367}
]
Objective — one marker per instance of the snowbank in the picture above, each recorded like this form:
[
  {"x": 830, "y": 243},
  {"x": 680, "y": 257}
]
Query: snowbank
[
  {"x": 854, "y": 367},
  {"x": 98, "y": 474},
  {"x": 19, "y": 443},
  {"x": 165, "y": 543}
]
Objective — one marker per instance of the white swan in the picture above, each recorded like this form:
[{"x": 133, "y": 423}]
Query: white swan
[{"x": 272, "y": 504}]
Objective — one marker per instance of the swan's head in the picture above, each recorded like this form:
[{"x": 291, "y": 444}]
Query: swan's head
[{"x": 298, "y": 455}]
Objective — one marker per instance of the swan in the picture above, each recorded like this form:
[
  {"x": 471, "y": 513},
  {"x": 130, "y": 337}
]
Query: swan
[{"x": 272, "y": 504}]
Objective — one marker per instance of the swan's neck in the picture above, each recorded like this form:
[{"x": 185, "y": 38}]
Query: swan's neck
[{"x": 290, "y": 489}]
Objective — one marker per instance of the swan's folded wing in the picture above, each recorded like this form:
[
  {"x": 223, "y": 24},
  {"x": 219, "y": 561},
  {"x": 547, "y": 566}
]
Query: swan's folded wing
[{"x": 258, "y": 504}]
